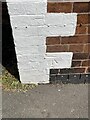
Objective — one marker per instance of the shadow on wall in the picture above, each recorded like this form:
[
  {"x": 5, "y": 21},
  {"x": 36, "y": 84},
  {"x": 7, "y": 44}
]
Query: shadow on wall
[{"x": 9, "y": 60}]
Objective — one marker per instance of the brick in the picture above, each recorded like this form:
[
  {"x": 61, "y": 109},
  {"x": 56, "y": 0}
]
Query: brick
[
  {"x": 88, "y": 70},
  {"x": 57, "y": 48},
  {"x": 68, "y": 78},
  {"x": 76, "y": 63},
  {"x": 89, "y": 38},
  {"x": 57, "y": 7},
  {"x": 83, "y": 18},
  {"x": 81, "y": 7},
  {"x": 53, "y": 79},
  {"x": 81, "y": 29},
  {"x": 85, "y": 78},
  {"x": 80, "y": 56},
  {"x": 72, "y": 70},
  {"x": 52, "y": 40},
  {"x": 54, "y": 71},
  {"x": 76, "y": 48},
  {"x": 62, "y": 79},
  {"x": 75, "y": 79},
  {"x": 75, "y": 39},
  {"x": 87, "y": 48},
  {"x": 86, "y": 62},
  {"x": 88, "y": 29}
]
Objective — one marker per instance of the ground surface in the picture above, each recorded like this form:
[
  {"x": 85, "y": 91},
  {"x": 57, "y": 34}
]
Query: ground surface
[{"x": 47, "y": 101}]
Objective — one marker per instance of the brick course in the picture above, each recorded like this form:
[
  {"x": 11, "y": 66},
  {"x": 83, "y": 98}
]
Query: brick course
[
  {"x": 78, "y": 44},
  {"x": 80, "y": 7},
  {"x": 57, "y": 7}
]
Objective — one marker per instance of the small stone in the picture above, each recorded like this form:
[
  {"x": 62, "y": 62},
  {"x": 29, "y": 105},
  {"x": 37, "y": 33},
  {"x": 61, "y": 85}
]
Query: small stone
[
  {"x": 54, "y": 104},
  {"x": 44, "y": 110},
  {"x": 59, "y": 90},
  {"x": 72, "y": 110}
]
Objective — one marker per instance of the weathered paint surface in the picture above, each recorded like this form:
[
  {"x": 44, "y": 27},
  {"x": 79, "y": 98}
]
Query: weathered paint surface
[{"x": 31, "y": 24}]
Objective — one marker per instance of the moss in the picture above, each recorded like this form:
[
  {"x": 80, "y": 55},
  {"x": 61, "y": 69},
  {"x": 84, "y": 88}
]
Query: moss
[{"x": 10, "y": 83}]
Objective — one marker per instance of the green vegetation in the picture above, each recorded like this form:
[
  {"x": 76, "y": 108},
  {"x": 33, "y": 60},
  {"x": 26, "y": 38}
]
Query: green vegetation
[{"x": 10, "y": 83}]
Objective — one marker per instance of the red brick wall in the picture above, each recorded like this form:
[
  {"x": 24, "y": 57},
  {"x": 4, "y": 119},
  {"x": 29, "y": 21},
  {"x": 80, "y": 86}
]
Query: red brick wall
[{"x": 78, "y": 44}]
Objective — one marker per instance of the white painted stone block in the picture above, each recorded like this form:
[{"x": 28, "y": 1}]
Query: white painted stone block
[
  {"x": 27, "y": 8},
  {"x": 61, "y": 24},
  {"x": 31, "y": 24},
  {"x": 70, "y": 18},
  {"x": 59, "y": 60},
  {"x": 48, "y": 27},
  {"x": 35, "y": 79},
  {"x": 26, "y": 20},
  {"x": 31, "y": 58},
  {"x": 54, "y": 19},
  {"x": 31, "y": 50},
  {"x": 29, "y": 41},
  {"x": 29, "y": 31}
]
